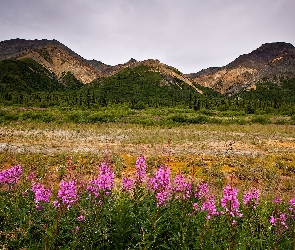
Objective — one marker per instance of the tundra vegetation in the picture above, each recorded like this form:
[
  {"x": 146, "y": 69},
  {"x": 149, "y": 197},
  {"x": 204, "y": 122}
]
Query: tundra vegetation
[{"x": 106, "y": 166}]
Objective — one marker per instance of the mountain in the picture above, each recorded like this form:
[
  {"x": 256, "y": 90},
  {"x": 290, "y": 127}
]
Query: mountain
[
  {"x": 271, "y": 61},
  {"x": 57, "y": 63},
  {"x": 61, "y": 61},
  {"x": 52, "y": 55}
]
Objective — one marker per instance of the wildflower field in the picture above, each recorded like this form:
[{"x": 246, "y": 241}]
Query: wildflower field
[
  {"x": 133, "y": 187},
  {"x": 140, "y": 211}
]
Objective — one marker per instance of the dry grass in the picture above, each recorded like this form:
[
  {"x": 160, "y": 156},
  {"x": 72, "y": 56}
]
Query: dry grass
[
  {"x": 249, "y": 140},
  {"x": 254, "y": 155}
]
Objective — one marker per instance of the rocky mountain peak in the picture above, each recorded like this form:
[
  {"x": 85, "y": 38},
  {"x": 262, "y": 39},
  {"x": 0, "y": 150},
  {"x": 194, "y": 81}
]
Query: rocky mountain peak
[{"x": 270, "y": 60}]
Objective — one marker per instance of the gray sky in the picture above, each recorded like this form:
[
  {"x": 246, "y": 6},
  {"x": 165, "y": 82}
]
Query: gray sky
[{"x": 187, "y": 34}]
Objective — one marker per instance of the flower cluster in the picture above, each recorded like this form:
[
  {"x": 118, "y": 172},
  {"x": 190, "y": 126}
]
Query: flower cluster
[
  {"x": 140, "y": 167},
  {"x": 230, "y": 202},
  {"x": 11, "y": 176},
  {"x": 251, "y": 197},
  {"x": 127, "y": 184},
  {"x": 182, "y": 187},
  {"x": 104, "y": 182},
  {"x": 41, "y": 194},
  {"x": 67, "y": 193},
  {"x": 280, "y": 220},
  {"x": 207, "y": 202},
  {"x": 160, "y": 184}
]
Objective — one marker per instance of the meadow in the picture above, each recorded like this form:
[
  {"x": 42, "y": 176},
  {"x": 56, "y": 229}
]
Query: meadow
[{"x": 146, "y": 179}]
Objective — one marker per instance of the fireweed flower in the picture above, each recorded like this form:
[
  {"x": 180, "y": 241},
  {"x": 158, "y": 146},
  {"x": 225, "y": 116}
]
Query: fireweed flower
[
  {"x": 202, "y": 190},
  {"x": 251, "y": 197},
  {"x": 41, "y": 194},
  {"x": 127, "y": 184},
  {"x": 277, "y": 200},
  {"x": 161, "y": 180},
  {"x": 67, "y": 193},
  {"x": 182, "y": 188},
  {"x": 103, "y": 183},
  {"x": 56, "y": 204},
  {"x": 11, "y": 176},
  {"x": 80, "y": 218},
  {"x": 207, "y": 202},
  {"x": 162, "y": 197},
  {"x": 160, "y": 184},
  {"x": 140, "y": 167},
  {"x": 230, "y": 202},
  {"x": 279, "y": 222}
]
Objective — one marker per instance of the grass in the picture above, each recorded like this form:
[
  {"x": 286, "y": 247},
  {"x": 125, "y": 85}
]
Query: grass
[{"x": 163, "y": 116}]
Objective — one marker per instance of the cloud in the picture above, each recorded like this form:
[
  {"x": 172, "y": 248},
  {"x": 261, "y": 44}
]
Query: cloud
[{"x": 187, "y": 34}]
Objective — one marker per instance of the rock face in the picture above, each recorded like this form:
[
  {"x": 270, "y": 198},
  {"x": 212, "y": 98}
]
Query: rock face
[
  {"x": 270, "y": 61},
  {"x": 52, "y": 55}
]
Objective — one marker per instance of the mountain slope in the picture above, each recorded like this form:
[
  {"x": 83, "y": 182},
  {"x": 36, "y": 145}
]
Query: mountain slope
[
  {"x": 144, "y": 84},
  {"x": 26, "y": 76},
  {"x": 271, "y": 61},
  {"x": 51, "y": 54},
  {"x": 59, "y": 60}
]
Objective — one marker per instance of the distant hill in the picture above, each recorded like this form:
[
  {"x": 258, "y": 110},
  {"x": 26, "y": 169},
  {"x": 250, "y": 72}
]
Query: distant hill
[{"x": 271, "y": 61}]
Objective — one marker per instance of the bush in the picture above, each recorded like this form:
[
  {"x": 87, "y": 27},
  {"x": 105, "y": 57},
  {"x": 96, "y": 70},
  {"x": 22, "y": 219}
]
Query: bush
[
  {"x": 260, "y": 119},
  {"x": 200, "y": 119}
]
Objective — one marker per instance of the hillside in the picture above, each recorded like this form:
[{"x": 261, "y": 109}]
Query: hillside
[
  {"x": 147, "y": 83},
  {"x": 271, "y": 61},
  {"x": 52, "y": 55}
]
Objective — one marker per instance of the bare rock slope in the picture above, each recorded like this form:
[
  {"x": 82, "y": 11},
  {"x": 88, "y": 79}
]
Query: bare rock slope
[{"x": 272, "y": 61}]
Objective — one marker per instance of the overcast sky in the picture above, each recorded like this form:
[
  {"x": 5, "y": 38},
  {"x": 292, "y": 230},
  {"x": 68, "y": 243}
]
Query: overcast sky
[{"x": 188, "y": 34}]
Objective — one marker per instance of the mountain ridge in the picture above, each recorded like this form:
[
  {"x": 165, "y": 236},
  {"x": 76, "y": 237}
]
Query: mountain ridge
[
  {"x": 269, "y": 61},
  {"x": 272, "y": 61}
]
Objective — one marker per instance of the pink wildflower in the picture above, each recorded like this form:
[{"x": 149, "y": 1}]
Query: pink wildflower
[
  {"x": 279, "y": 222},
  {"x": 182, "y": 187},
  {"x": 277, "y": 200},
  {"x": 68, "y": 192},
  {"x": 230, "y": 201},
  {"x": 80, "y": 218},
  {"x": 127, "y": 183},
  {"x": 207, "y": 202},
  {"x": 104, "y": 182},
  {"x": 11, "y": 176},
  {"x": 251, "y": 197},
  {"x": 160, "y": 184},
  {"x": 41, "y": 194},
  {"x": 140, "y": 167}
]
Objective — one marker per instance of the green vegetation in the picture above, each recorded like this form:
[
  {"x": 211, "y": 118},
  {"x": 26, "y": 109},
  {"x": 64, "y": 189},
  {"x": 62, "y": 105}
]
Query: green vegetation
[
  {"x": 134, "y": 95},
  {"x": 162, "y": 116}
]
